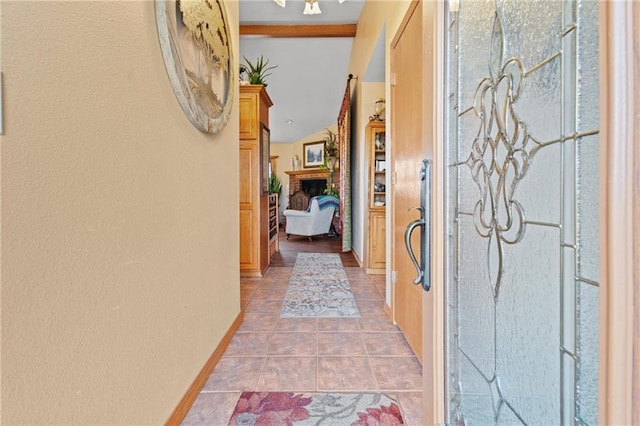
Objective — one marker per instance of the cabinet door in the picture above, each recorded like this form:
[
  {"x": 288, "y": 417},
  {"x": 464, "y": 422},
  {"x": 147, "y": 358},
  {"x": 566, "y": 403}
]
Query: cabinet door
[
  {"x": 377, "y": 246},
  {"x": 249, "y": 122}
]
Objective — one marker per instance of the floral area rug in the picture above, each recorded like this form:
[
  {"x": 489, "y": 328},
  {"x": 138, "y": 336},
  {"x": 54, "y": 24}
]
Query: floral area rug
[
  {"x": 328, "y": 409},
  {"x": 319, "y": 288}
]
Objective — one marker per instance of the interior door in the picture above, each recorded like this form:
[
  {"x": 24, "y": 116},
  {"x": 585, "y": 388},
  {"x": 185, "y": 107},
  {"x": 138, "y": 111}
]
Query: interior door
[
  {"x": 407, "y": 152},
  {"x": 522, "y": 256}
]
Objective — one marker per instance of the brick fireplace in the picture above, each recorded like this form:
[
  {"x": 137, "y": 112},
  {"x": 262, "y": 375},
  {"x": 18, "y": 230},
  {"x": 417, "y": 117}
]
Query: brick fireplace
[{"x": 297, "y": 176}]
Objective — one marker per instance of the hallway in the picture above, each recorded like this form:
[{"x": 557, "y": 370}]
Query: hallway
[{"x": 270, "y": 353}]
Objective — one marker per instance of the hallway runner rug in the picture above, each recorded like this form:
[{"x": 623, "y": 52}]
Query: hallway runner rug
[
  {"x": 319, "y": 287},
  {"x": 287, "y": 408}
]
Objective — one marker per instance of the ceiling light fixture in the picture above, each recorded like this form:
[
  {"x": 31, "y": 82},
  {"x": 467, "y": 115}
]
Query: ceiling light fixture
[{"x": 311, "y": 7}]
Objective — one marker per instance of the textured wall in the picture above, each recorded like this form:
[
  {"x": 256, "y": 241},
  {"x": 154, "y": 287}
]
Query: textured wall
[{"x": 119, "y": 219}]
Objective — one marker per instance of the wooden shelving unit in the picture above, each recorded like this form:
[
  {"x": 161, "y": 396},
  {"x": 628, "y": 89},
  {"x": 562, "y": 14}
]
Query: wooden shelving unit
[
  {"x": 376, "y": 228},
  {"x": 274, "y": 240}
]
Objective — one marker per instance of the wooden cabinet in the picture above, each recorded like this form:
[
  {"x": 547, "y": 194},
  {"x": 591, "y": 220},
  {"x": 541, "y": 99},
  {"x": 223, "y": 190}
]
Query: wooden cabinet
[
  {"x": 377, "y": 242},
  {"x": 254, "y": 209},
  {"x": 274, "y": 241},
  {"x": 376, "y": 228}
]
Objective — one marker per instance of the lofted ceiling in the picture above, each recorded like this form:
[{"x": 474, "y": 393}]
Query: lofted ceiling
[{"x": 308, "y": 85}]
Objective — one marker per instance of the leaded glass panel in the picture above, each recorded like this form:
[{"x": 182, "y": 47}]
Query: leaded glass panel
[{"x": 522, "y": 233}]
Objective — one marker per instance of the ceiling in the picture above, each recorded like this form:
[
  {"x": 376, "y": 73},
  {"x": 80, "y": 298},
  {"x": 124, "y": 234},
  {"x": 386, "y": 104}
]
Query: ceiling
[{"x": 311, "y": 75}]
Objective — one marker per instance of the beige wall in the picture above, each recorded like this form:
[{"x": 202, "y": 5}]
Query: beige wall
[{"x": 119, "y": 219}]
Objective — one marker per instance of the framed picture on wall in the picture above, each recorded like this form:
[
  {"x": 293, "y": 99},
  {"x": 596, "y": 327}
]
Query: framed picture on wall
[
  {"x": 264, "y": 159},
  {"x": 313, "y": 154}
]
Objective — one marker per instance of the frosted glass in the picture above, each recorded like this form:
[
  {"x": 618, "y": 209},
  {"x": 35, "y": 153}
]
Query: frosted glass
[
  {"x": 468, "y": 126},
  {"x": 531, "y": 29},
  {"x": 514, "y": 307},
  {"x": 588, "y": 207},
  {"x": 539, "y": 105},
  {"x": 476, "y": 22},
  {"x": 469, "y": 194},
  {"x": 475, "y": 400},
  {"x": 475, "y": 299},
  {"x": 539, "y": 190},
  {"x": 508, "y": 417},
  {"x": 528, "y": 326},
  {"x": 588, "y": 305},
  {"x": 588, "y": 71}
]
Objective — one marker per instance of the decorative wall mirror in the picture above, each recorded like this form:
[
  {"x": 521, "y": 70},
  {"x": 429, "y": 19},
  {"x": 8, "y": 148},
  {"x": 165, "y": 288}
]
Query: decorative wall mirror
[{"x": 196, "y": 47}]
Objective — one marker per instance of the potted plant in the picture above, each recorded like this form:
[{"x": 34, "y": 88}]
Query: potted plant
[
  {"x": 257, "y": 72},
  {"x": 331, "y": 145},
  {"x": 275, "y": 186},
  {"x": 330, "y": 158}
]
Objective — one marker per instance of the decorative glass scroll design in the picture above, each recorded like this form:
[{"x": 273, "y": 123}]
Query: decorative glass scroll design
[
  {"x": 196, "y": 47},
  {"x": 522, "y": 151},
  {"x": 501, "y": 153}
]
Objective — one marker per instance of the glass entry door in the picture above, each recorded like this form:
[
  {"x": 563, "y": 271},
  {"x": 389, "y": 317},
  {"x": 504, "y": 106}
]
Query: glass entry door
[{"x": 522, "y": 212}]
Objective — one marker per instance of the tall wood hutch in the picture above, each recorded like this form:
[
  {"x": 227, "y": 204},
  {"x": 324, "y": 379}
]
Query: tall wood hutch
[
  {"x": 254, "y": 204},
  {"x": 376, "y": 217}
]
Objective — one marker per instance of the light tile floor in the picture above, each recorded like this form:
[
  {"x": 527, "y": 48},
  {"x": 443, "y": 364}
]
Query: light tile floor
[{"x": 269, "y": 353}]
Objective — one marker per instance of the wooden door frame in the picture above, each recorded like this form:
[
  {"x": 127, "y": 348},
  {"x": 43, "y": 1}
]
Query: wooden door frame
[
  {"x": 619, "y": 365},
  {"x": 619, "y": 110},
  {"x": 433, "y": 307}
]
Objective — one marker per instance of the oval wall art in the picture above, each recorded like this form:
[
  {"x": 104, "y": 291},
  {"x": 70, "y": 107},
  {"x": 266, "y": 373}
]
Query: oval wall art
[{"x": 194, "y": 37}]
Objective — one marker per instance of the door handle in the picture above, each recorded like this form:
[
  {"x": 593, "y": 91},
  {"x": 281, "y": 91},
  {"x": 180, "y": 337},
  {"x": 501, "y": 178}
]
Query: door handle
[
  {"x": 423, "y": 267},
  {"x": 407, "y": 242}
]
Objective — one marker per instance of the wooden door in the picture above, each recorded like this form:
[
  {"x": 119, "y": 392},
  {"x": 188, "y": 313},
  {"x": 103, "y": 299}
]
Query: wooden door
[{"x": 407, "y": 151}]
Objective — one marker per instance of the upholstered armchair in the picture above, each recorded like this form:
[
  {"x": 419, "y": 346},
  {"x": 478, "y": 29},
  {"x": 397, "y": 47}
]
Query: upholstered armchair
[{"x": 315, "y": 221}]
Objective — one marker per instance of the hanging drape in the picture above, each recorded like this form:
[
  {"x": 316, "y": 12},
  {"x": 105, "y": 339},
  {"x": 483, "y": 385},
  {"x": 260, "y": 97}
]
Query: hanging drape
[{"x": 344, "y": 141}]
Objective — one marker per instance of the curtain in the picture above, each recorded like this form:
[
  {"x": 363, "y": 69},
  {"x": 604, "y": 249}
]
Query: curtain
[{"x": 344, "y": 141}]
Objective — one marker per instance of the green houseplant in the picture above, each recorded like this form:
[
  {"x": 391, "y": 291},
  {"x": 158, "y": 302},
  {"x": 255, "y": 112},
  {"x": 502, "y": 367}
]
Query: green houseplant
[
  {"x": 330, "y": 158},
  {"x": 275, "y": 186},
  {"x": 331, "y": 144},
  {"x": 257, "y": 72}
]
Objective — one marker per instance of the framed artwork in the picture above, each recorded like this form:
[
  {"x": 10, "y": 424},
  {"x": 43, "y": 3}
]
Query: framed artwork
[
  {"x": 313, "y": 154},
  {"x": 265, "y": 142},
  {"x": 195, "y": 42}
]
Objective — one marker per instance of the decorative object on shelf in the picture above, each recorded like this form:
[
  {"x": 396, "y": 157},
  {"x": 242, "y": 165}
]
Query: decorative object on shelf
[
  {"x": 196, "y": 47},
  {"x": 378, "y": 110},
  {"x": 311, "y": 7},
  {"x": 380, "y": 141},
  {"x": 295, "y": 162},
  {"x": 243, "y": 78},
  {"x": 257, "y": 73},
  {"x": 313, "y": 154}
]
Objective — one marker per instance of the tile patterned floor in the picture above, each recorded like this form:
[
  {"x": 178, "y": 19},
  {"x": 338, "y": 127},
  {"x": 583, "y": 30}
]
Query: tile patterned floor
[{"x": 270, "y": 353}]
